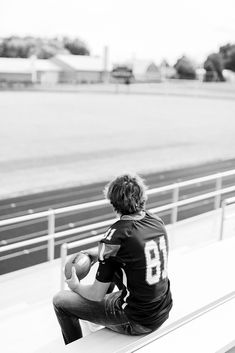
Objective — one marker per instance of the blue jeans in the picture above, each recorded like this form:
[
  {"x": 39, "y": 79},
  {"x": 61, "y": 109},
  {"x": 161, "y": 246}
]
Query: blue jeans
[{"x": 70, "y": 307}]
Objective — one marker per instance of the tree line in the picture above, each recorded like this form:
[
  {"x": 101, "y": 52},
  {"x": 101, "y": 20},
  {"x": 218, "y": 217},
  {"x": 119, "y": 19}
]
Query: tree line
[
  {"x": 214, "y": 64},
  {"x": 42, "y": 48}
]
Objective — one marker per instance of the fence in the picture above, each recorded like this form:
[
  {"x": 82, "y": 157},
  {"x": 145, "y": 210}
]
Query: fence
[
  {"x": 225, "y": 203},
  {"x": 176, "y": 203},
  {"x": 66, "y": 246}
]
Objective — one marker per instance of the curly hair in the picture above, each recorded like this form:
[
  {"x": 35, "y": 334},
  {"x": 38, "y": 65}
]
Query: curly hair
[{"x": 127, "y": 194}]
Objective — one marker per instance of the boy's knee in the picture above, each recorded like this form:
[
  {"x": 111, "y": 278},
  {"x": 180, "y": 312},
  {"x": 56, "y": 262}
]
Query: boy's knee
[{"x": 59, "y": 299}]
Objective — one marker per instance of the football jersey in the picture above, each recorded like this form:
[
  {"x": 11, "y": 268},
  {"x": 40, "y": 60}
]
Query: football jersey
[{"x": 138, "y": 248}]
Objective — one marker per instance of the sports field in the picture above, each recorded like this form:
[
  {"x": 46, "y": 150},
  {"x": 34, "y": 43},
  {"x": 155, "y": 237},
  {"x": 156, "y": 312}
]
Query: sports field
[{"x": 57, "y": 139}]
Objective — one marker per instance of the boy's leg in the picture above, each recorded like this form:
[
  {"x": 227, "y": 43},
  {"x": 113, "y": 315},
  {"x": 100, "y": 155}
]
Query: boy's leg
[
  {"x": 117, "y": 320},
  {"x": 70, "y": 307}
]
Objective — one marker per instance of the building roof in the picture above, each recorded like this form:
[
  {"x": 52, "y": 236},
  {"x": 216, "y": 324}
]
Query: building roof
[
  {"x": 14, "y": 65},
  {"x": 19, "y": 65},
  {"x": 80, "y": 62},
  {"x": 143, "y": 66},
  {"x": 46, "y": 65}
]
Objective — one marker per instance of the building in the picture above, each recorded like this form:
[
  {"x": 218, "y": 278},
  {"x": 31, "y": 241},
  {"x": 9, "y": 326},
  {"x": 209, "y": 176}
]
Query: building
[
  {"x": 27, "y": 71},
  {"x": 46, "y": 72},
  {"x": 145, "y": 71},
  {"x": 14, "y": 70},
  {"x": 59, "y": 69},
  {"x": 80, "y": 68}
]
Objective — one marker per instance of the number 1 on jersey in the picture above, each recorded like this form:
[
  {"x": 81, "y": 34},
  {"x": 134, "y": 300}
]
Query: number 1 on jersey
[{"x": 155, "y": 263}]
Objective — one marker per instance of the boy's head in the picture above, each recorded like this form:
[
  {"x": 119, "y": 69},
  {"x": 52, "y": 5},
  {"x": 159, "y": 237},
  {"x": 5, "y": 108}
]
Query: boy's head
[{"x": 127, "y": 194}]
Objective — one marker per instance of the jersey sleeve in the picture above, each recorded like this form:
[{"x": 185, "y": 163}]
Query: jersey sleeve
[{"x": 108, "y": 249}]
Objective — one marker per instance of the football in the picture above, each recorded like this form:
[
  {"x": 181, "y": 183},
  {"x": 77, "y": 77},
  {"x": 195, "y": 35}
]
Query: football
[{"x": 82, "y": 264}]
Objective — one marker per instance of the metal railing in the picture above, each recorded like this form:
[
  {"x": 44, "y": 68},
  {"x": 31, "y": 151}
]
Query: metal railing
[
  {"x": 225, "y": 203},
  {"x": 50, "y": 214},
  {"x": 66, "y": 246}
]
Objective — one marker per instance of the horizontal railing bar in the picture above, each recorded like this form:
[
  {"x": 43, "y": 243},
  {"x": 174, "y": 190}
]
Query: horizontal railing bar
[
  {"x": 25, "y": 218},
  {"x": 85, "y": 228},
  {"x": 56, "y": 235},
  {"x": 161, "y": 189},
  {"x": 104, "y": 202},
  {"x": 26, "y": 243},
  {"x": 193, "y": 199},
  {"x": 191, "y": 182},
  {"x": 108, "y": 222},
  {"x": 81, "y": 206},
  {"x": 82, "y": 242},
  {"x": 207, "y": 178},
  {"x": 163, "y": 208},
  {"x": 56, "y": 211},
  {"x": 230, "y": 200}
]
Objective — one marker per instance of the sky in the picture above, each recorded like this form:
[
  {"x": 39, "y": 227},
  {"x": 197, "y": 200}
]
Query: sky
[{"x": 140, "y": 29}]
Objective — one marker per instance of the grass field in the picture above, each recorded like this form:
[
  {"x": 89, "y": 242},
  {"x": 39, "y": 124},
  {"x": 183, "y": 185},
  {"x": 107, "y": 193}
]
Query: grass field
[{"x": 52, "y": 140}]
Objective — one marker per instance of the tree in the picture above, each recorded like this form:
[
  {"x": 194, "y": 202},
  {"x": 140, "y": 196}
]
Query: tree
[
  {"x": 46, "y": 48},
  {"x": 13, "y": 47},
  {"x": 214, "y": 68},
  {"x": 228, "y": 55},
  {"x": 185, "y": 68},
  {"x": 75, "y": 46},
  {"x": 43, "y": 48}
]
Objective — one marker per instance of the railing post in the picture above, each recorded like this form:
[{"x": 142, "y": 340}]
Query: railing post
[
  {"x": 224, "y": 204},
  {"x": 63, "y": 255},
  {"x": 218, "y": 186},
  {"x": 174, "y": 213},
  {"x": 51, "y": 231}
]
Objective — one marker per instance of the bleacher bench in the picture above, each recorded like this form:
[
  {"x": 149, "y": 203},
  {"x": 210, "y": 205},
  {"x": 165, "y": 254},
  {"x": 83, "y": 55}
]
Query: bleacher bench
[{"x": 203, "y": 315}]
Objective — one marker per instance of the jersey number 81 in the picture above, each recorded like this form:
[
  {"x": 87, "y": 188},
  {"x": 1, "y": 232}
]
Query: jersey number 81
[{"x": 156, "y": 260}]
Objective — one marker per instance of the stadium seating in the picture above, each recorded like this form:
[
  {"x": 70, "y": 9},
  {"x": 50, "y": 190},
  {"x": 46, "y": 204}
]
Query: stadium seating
[
  {"x": 200, "y": 274},
  {"x": 198, "y": 322}
]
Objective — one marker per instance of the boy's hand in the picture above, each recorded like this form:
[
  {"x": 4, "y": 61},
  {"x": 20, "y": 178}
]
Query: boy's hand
[
  {"x": 73, "y": 281},
  {"x": 92, "y": 253}
]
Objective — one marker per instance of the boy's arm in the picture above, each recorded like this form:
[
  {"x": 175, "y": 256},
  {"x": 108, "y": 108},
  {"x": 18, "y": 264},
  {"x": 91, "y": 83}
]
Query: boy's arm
[
  {"x": 95, "y": 291},
  {"x": 93, "y": 254}
]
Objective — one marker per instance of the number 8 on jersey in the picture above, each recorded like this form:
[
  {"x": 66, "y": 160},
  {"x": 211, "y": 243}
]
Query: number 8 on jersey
[{"x": 156, "y": 260}]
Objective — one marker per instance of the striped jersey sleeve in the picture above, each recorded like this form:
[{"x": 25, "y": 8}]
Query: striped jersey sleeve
[{"x": 107, "y": 254}]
